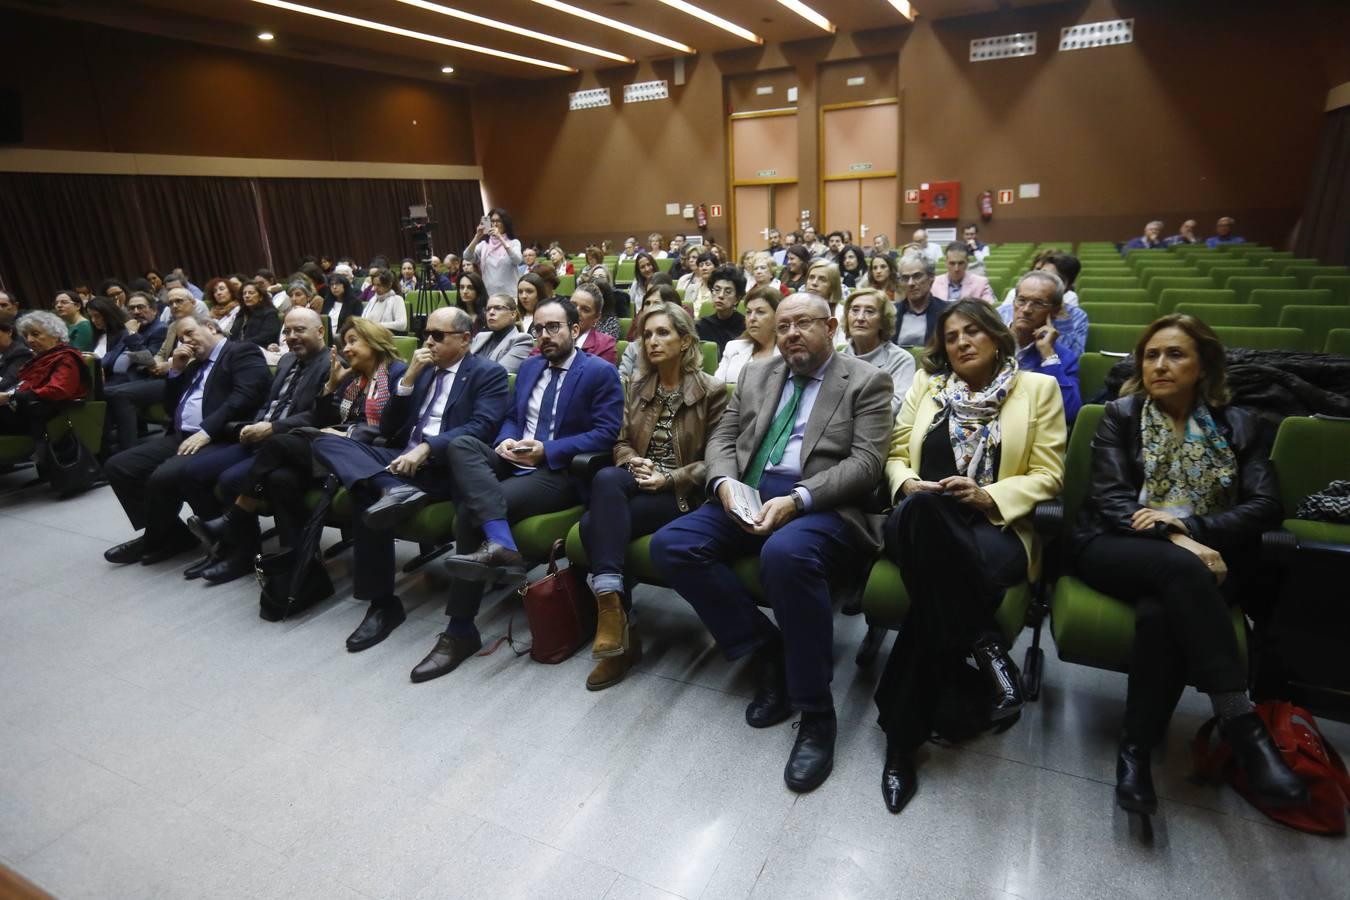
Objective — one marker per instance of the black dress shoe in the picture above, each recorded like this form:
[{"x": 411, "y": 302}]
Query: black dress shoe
[
  {"x": 1134, "y": 779},
  {"x": 812, "y": 756},
  {"x": 381, "y": 619},
  {"x": 129, "y": 552},
  {"x": 196, "y": 569},
  {"x": 770, "y": 704},
  {"x": 398, "y": 505},
  {"x": 489, "y": 563},
  {"x": 181, "y": 542},
  {"x": 1269, "y": 778},
  {"x": 446, "y": 656},
  {"x": 899, "y": 781},
  {"x": 1005, "y": 681},
  {"x": 210, "y": 531},
  {"x": 228, "y": 569}
]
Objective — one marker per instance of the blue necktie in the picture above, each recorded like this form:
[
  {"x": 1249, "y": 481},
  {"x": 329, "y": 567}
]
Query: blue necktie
[
  {"x": 426, "y": 413},
  {"x": 196, "y": 383},
  {"x": 543, "y": 429}
]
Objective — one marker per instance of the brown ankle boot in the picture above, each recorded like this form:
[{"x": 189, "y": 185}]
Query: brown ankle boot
[
  {"x": 611, "y": 670},
  {"x": 611, "y": 627}
]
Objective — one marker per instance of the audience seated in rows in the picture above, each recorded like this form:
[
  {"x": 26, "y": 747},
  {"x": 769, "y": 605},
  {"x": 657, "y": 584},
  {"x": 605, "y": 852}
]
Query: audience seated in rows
[
  {"x": 725, "y": 323},
  {"x": 869, "y": 326},
  {"x": 502, "y": 341},
  {"x": 1071, "y": 321},
  {"x": 1039, "y": 348},
  {"x": 759, "y": 342},
  {"x": 52, "y": 374},
  {"x": 958, "y": 283},
  {"x": 917, "y": 310}
]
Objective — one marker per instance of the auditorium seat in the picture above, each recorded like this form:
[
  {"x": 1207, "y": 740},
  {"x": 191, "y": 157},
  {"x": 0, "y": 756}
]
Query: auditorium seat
[
  {"x": 1149, "y": 275},
  {"x": 1120, "y": 313},
  {"x": 1093, "y": 367},
  {"x": 1158, "y": 285},
  {"x": 407, "y": 346},
  {"x": 1216, "y": 315},
  {"x": 566, "y": 285},
  {"x": 85, "y": 417},
  {"x": 1220, "y": 274},
  {"x": 1170, "y": 297},
  {"x": 1132, "y": 295},
  {"x": 1273, "y": 302},
  {"x": 1114, "y": 338},
  {"x": 1261, "y": 338},
  {"x": 1315, "y": 322},
  {"x": 1281, "y": 265},
  {"x": 1338, "y": 341},
  {"x": 1207, "y": 265},
  {"x": 1245, "y": 284},
  {"x": 624, "y": 273},
  {"x": 1106, "y": 283},
  {"x": 1308, "y": 455},
  {"x": 1305, "y": 274}
]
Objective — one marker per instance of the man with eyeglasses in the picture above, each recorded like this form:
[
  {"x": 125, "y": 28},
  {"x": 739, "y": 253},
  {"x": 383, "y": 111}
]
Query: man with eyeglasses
[
  {"x": 445, "y": 394},
  {"x": 726, "y": 323},
  {"x": 1037, "y": 303},
  {"x": 151, "y": 342},
  {"x": 917, "y": 313},
  {"x": 565, "y": 402},
  {"x": 809, "y": 431},
  {"x": 233, "y": 539}
]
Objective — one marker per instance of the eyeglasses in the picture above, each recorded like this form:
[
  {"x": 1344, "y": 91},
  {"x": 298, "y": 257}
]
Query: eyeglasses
[
  {"x": 497, "y": 307},
  {"x": 437, "y": 336},
  {"x": 1031, "y": 304},
  {"x": 549, "y": 328},
  {"x": 913, "y": 279},
  {"x": 802, "y": 325}
]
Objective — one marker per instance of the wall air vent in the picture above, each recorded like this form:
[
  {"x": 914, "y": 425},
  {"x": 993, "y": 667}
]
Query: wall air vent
[
  {"x": 645, "y": 90},
  {"x": 1003, "y": 47},
  {"x": 592, "y": 99},
  {"x": 1097, "y": 34}
]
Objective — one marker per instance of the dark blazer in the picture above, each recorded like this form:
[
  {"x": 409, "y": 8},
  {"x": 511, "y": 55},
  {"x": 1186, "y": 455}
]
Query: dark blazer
[
  {"x": 1118, "y": 476},
  {"x": 233, "y": 391},
  {"x": 477, "y": 405},
  {"x": 590, "y": 408},
  {"x": 261, "y": 327},
  {"x": 150, "y": 337},
  {"x": 935, "y": 308},
  {"x": 328, "y": 410},
  {"x": 310, "y": 382},
  {"x": 11, "y": 361}
]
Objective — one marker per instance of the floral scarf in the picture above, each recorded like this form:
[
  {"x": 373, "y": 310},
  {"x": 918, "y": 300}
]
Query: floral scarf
[
  {"x": 972, "y": 420},
  {"x": 375, "y": 400},
  {"x": 1192, "y": 475}
]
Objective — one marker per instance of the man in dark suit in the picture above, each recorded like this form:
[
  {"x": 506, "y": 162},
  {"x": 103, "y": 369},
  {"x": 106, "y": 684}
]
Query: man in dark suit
[
  {"x": 300, "y": 377},
  {"x": 809, "y": 430},
  {"x": 445, "y": 395},
  {"x": 211, "y": 382},
  {"x": 565, "y": 402}
]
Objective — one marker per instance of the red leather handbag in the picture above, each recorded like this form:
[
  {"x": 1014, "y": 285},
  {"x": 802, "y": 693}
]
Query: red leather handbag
[
  {"x": 561, "y": 611},
  {"x": 1305, "y": 751}
]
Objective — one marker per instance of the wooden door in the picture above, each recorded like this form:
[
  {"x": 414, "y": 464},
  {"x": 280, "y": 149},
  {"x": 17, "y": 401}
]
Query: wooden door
[
  {"x": 763, "y": 167},
  {"x": 859, "y": 161}
]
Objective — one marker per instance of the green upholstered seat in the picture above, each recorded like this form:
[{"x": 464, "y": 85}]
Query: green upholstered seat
[
  {"x": 1149, "y": 275},
  {"x": 1278, "y": 266},
  {"x": 1261, "y": 338},
  {"x": 433, "y": 524},
  {"x": 624, "y": 274},
  {"x": 665, "y": 264},
  {"x": 1245, "y": 284},
  {"x": 1309, "y": 454},
  {"x": 1091, "y": 284},
  {"x": 1113, "y": 295},
  {"x": 1157, "y": 285},
  {"x": 1220, "y": 274},
  {"x": 1170, "y": 297},
  {"x": 709, "y": 356},
  {"x": 535, "y": 535},
  {"x": 1093, "y": 367},
  {"x": 1338, "y": 341},
  {"x": 1207, "y": 265},
  {"x": 1120, "y": 313},
  {"x": 1339, "y": 285},
  {"x": 1272, "y": 302},
  {"x": 1246, "y": 315},
  {"x": 566, "y": 285},
  {"x": 407, "y": 345},
  {"x": 1305, "y": 274},
  {"x": 1115, "y": 338},
  {"x": 886, "y": 602},
  {"x": 1315, "y": 322}
]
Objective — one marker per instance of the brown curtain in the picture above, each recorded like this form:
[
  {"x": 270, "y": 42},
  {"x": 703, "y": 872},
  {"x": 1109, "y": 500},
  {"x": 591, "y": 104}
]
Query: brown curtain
[
  {"x": 1325, "y": 230},
  {"x": 56, "y": 229}
]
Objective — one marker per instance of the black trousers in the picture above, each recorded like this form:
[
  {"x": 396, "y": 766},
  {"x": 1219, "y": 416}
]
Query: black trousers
[
  {"x": 956, "y": 567},
  {"x": 125, "y": 402},
  {"x": 280, "y": 472},
  {"x": 488, "y": 488},
  {"x": 619, "y": 511},
  {"x": 1183, "y": 627},
  {"x": 30, "y": 419},
  {"x": 151, "y": 482}
]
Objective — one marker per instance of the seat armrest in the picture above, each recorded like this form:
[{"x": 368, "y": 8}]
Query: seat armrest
[
  {"x": 1048, "y": 516},
  {"x": 585, "y": 465}
]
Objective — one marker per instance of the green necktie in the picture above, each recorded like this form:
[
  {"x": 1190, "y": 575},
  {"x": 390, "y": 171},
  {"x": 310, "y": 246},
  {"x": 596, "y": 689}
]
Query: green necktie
[{"x": 776, "y": 441}]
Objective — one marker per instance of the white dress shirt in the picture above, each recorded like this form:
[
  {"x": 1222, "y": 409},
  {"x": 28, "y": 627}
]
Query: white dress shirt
[
  {"x": 537, "y": 395},
  {"x": 191, "y": 417},
  {"x": 433, "y": 426}
]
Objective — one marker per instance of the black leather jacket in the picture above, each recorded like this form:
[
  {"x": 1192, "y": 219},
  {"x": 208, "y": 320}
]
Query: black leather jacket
[{"x": 1118, "y": 476}]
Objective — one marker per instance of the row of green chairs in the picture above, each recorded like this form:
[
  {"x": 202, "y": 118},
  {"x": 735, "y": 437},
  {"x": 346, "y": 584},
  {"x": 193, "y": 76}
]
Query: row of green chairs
[{"x": 84, "y": 417}]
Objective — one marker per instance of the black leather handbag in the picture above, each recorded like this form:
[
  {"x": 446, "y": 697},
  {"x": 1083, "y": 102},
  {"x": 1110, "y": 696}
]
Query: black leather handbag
[
  {"x": 294, "y": 579},
  {"x": 67, "y": 465}
]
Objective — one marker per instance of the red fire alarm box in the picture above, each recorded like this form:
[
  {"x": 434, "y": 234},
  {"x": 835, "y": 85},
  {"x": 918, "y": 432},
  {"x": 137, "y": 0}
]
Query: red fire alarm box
[{"x": 940, "y": 200}]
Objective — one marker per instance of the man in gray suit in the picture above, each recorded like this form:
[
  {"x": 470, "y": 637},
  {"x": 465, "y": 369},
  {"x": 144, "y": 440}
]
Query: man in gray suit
[{"x": 809, "y": 430}]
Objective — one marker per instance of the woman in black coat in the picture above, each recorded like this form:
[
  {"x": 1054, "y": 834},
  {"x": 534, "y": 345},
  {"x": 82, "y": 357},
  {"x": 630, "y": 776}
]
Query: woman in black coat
[
  {"x": 1182, "y": 488},
  {"x": 257, "y": 321}
]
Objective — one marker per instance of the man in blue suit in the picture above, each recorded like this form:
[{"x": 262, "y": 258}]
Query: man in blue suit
[
  {"x": 566, "y": 402},
  {"x": 445, "y": 394}
]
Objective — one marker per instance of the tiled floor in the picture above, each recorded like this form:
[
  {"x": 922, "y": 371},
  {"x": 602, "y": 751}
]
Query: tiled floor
[{"x": 157, "y": 739}]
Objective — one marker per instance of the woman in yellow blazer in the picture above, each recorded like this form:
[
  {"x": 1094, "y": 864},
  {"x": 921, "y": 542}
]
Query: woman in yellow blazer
[{"x": 976, "y": 446}]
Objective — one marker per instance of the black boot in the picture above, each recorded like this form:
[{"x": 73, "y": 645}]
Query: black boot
[
  {"x": 1134, "y": 779},
  {"x": 244, "y": 540},
  {"x": 1005, "y": 681},
  {"x": 212, "y": 531},
  {"x": 1272, "y": 782}
]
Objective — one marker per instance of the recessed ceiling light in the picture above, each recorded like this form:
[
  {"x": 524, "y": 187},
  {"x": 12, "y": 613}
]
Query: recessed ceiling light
[
  {"x": 447, "y": 70},
  {"x": 698, "y": 13},
  {"x": 265, "y": 35},
  {"x": 598, "y": 19},
  {"x": 905, "y": 8},
  {"x": 514, "y": 29},
  {"x": 415, "y": 35},
  {"x": 809, "y": 14}
]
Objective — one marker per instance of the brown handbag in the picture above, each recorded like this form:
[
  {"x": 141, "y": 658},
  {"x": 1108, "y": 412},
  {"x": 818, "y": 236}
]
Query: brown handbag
[{"x": 561, "y": 611}]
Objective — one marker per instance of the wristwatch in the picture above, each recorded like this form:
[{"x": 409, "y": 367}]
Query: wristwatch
[{"x": 798, "y": 503}]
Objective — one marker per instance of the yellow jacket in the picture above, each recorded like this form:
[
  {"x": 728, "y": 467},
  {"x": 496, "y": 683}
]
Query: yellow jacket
[{"x": 1031, "y": 460}]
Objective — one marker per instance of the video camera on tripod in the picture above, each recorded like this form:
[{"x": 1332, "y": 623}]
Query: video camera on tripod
[{"x": 418, "y": 224}]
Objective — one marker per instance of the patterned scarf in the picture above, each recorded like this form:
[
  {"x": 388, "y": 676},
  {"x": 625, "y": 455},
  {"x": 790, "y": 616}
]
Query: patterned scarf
[
  {"x": 972, "y": 420},
  {"x": 1194, "y": 474},
  {"x": 374, "y": 403}
]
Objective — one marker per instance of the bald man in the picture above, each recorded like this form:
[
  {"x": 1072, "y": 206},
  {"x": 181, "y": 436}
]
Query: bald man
[{"x": 300, "y": 378}]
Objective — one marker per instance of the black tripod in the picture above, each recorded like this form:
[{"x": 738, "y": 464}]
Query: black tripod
[{"x": 430, "y": 295}]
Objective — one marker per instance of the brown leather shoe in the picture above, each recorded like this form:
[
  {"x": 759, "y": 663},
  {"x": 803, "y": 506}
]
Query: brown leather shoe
[
  {"x": 611, "y": 627},
  {"x": 490, "y": 562},
  {"x": 611, "y": 670},
  {"x": 445, "y": 657}
]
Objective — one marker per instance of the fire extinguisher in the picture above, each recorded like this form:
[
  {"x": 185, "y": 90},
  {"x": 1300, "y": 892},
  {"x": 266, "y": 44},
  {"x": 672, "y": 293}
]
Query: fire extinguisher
[
  {"x": 987, "y": 205},
  {"x": 701, "y": 217}
]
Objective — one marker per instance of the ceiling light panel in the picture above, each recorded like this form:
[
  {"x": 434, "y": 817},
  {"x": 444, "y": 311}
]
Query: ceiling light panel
[
  {"x": 904, "y": 8},
  {"x": 1004, "y": 46},
  {"x": 598, "y": 19},
  {"x": 646, "y": 90},
  {"x": 514, "y": 29},
  {"x": 1097, "y": 34},
  {"x": 809, "y": 14},
  {"x": 591, "y": 99},
  {"x": 702, "y": 14},
  {"x": 414, "y": 35}
]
